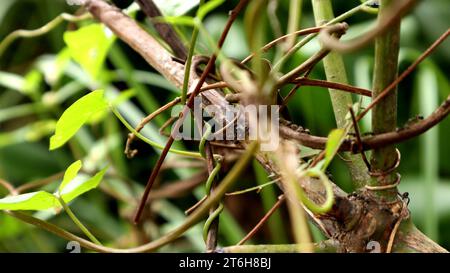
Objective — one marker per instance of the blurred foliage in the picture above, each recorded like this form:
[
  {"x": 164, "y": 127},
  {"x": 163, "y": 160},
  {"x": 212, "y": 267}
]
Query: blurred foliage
[{"x": 42, "y": 76}]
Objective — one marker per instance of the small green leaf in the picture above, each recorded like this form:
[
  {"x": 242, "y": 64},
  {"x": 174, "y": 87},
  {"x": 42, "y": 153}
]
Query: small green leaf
[
  {"x": 40, "y": 200},
  {"x": 33, "y": 80},
  {"x": 70, "y": 174},
  {"x": 77, "y": 187},
  {"x": 76, "y": 116},
  {"x": 89, "y": 46},
  {"x": 335, "y": 139}
]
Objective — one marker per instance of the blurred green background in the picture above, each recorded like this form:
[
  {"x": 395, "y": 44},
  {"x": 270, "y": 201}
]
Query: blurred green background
[{"x": 38, "y": 80}]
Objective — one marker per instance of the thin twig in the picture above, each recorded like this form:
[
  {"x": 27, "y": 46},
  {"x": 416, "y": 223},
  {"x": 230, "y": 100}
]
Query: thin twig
[
  {"x": 408, "y": 71},
  {"x": 282, "y": 38},
  {"x": 262, "y": 221},
  {"x": 131, "y": 153},
  {"x": 358, "y": 138},
  {"x": 40, "y": 182},
  {"x": 9, "y": 187},
  {"x": 4, "y": 44},
  {"x": 383, "y": 25},
  {"x": 194, "y": 218},
  {"x": 208, "y": 69},
  {"x": 179, "y": 188},
  {"x": 166, "y": 31},
  {"x": 289, "y": 96},
  {"x": 375, "y": 141},
  {"x": 333, "y": 85}
]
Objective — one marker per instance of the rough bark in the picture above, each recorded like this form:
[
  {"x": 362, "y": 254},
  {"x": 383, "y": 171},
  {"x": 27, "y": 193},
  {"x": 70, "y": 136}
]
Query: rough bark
[{"x": 353, "y": 221}]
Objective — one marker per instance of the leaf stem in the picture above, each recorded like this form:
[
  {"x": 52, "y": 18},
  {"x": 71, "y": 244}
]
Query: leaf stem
[
  {"x": 194, "y": 218},
  {"x": 40, "y": 31},
  {"x": 335, "y": 71},
  {"x": 77, "y": 222}
]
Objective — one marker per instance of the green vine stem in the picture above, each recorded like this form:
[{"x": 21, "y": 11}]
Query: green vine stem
[
  {"x": 295, "y": 14},
  {"x": 335, "y": 72},
  {"x": 148, "y": 141},
  {"x": 77, "y": 222},
  {"x": 214, "y": 213},
  {"x": 4, "y": 44},
  {"x": 193, "y": 219},
  {"x": 384, "y": 114},
  {"x": 191, "y": 52},
  {"x": 322, "y": 247},
  {"x": 278, "y": 66}
]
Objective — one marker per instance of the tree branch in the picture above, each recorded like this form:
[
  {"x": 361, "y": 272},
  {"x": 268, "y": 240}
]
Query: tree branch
[{"x": 344, "y": 209}]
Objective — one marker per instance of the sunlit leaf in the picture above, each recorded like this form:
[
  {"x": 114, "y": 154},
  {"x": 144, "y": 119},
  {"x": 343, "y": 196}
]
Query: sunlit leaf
[
  {"x": 77, "y": 187},
  {"x": 40, "y": 200},
  {"x": 33, "y": 80},
  {"x": 75, "y": 116},
  {"x": 89, "y": 46},
  {"x": 70, "y": 174}
]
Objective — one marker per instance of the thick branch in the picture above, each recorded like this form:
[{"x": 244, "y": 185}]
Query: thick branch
[
  {"x": 375, "y": 141},
  {"x": 384, "y": 114},
  {"x": 166, "y": 31},
  {"x": 335, "y": 71},
  {"x": 127, "y": 30}
]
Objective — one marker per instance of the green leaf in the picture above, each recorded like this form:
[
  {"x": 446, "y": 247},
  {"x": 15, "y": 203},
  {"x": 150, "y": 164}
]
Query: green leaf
[
  {"x": 335, "y": 139},
  {"x": 76, "y": 116},
  {"x": 70, "y": 174},
  {"x": 32, "y": 83},
  {"x": 89, "y": 46},
  {"x": 40, "y": 200},
  {"x": 77, "y": 187}
]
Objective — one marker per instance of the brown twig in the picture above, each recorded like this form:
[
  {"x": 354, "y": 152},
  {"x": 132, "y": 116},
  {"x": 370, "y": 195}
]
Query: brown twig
[
  {"x": 305, "y": 66},
  {"x": 338, "y": 30},
  {"x": 333, "y": 85},
  {"x": 179, "y": 188},
  {"x": 128, "y": 151},
  {"x": 196, "y": 205},
  {"x": 282, "y": 38},
  {"x": 400, "y": 78},
  {"x": 166, "y": 124},
  {"x": 40, "y": 182},
  {"x": 358, "y": 138},
  {"x": 289, "y": 96},
  {"x": 375, "y": 141},
  {"x": 201, "y": 81},
  {"x": 9, "y": 187},
  {"x": 263, "y": 220},
  {"x": 166, "y": 31},
  {"x": 383, "y": 25}
]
